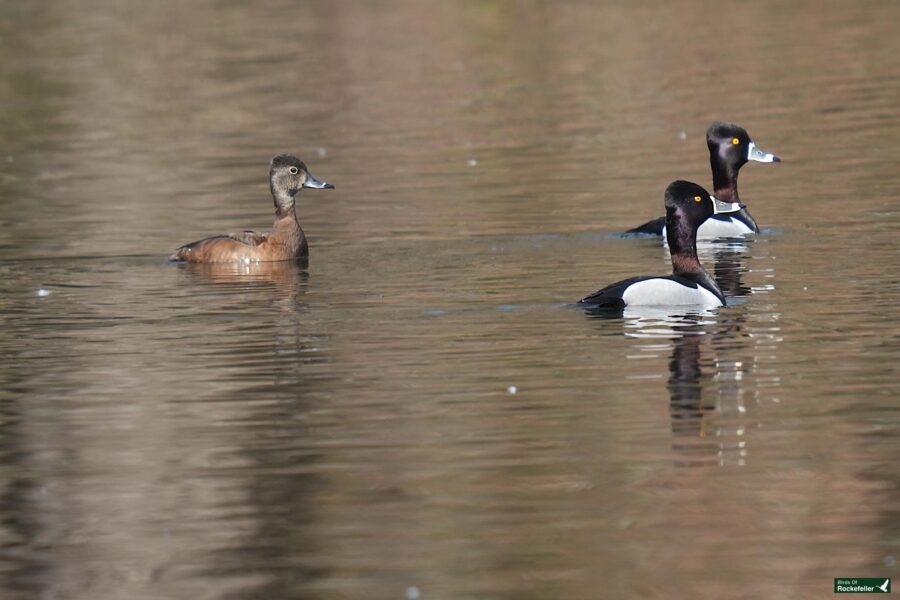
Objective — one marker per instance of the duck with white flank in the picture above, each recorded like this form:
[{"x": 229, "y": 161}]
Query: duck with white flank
[
  {"x": 730, "y": 148},
  {"x": 688, "y": 206}
]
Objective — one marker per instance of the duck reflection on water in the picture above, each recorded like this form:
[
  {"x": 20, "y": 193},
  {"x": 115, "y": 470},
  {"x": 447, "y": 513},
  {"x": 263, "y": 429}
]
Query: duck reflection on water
[
  {"x": 254, "y": 287},
  {"x": 286, "y": 276},
  {"x": 703, "y": 345}
]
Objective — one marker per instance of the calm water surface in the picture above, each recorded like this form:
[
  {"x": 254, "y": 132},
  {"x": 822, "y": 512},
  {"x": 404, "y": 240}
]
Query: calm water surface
[{"x": 416, "y": 413}]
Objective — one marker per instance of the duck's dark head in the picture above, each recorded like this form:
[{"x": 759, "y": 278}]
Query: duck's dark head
[
  {"x": 287, "y": 175},
  {"x": 688, "y": 205},
  {"x": 732, "y": 143},
  {"x": 730, "y": 147}
]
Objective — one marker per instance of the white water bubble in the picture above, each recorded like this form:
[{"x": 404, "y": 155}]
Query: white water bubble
[
  {"x": 412, "y": 592},
  {"x": 512, "y": 389},
  {"x": 42, "y": 293}
]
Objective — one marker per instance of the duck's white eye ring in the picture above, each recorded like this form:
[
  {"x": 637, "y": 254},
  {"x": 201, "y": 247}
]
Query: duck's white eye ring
[{"x": 293, "y": 170}]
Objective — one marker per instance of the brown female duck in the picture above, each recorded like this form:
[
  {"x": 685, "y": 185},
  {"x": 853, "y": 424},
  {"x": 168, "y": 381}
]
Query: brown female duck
[{"x": 286, "y": 241}]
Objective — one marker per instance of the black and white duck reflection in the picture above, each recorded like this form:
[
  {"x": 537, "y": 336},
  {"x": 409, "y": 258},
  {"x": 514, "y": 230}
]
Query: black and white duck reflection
[
  {"x": 688, "y": 206},
  {"x": 684, "y": 384},
  {"x": 708, "y": 385},
  {"x": 705, "y": 379}
]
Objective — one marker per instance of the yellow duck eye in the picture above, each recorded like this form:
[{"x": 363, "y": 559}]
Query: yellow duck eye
[
  {"x": 735, "y": 141},
  {"x": 698, "y": 199}
]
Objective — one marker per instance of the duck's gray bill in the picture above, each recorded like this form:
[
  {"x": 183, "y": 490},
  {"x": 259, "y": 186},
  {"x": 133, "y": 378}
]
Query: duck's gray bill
[
  {"x": 312, "y": 182},
  {"x": 722, "y": 208},
  {"x": 754, "y": 153}
]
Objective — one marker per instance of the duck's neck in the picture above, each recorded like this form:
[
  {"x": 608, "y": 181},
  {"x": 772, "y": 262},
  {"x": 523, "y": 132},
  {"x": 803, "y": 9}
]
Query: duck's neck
[
  {"x": 286, "y": 231},
  {"x": 285, "y": 212},
  {"x": 682, "y": 239},
  {"x": 684, "y": 263},
  {"x": 725, "y": 175},
  {"x": 284, "y": 205},
  {"x": 286, "y": 224}
]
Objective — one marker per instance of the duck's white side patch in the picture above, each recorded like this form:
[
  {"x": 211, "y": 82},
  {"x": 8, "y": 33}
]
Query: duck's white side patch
[
  {"x": 716, "y": 228},
  {"x": 664, "y": 292},
  {"x": 712, "y": 228}
]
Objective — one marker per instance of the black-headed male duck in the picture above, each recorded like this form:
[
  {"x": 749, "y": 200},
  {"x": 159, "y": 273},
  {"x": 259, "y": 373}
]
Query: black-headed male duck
[
  {"x": 688, "y": 206},
  {"x": 730, "y": 148}
]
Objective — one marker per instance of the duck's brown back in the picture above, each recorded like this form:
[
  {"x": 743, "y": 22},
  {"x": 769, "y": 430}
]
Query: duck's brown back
[{"x": 217, "y": 249}]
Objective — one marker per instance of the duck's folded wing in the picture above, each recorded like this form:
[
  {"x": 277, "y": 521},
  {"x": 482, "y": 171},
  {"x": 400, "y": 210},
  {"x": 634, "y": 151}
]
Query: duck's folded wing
[
  {"x": 217, "y": 247},
  {"x": 654, "y": 227},
  {"x": 611, "y": 295},
  {"x": 251, "y": 238}
]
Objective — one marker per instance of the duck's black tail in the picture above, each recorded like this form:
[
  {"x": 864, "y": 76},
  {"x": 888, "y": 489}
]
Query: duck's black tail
[{"x": 654, "y": 227}]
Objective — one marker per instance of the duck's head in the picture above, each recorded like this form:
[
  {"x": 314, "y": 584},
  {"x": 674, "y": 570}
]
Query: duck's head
[
  {"x": 732, "y": 144},
  {"x": 691, "y": 205},
  {"x": 288, "y": 174}
]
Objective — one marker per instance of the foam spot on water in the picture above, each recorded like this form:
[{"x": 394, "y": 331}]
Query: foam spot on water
[
  {"x": 472, "y": 162},
  {"x": 412, "y": 592},
  {"x": 512, "y": 389},
  {"x": 42, "y": 293}
]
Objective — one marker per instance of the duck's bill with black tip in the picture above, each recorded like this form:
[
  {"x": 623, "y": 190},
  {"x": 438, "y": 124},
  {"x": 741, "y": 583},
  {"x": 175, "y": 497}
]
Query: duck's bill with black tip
[
  {"x": 723, "y": 208},
  {"x": 312, "y": 182},
  {"x": 760, "y": 155}
]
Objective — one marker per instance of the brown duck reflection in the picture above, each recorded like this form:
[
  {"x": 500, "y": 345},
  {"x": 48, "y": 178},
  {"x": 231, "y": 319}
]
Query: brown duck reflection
[{"x": 286, "y": 276}]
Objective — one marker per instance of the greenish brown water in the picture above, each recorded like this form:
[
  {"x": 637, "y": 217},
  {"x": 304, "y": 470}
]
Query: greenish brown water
[{"x": 348, "y": 428}]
